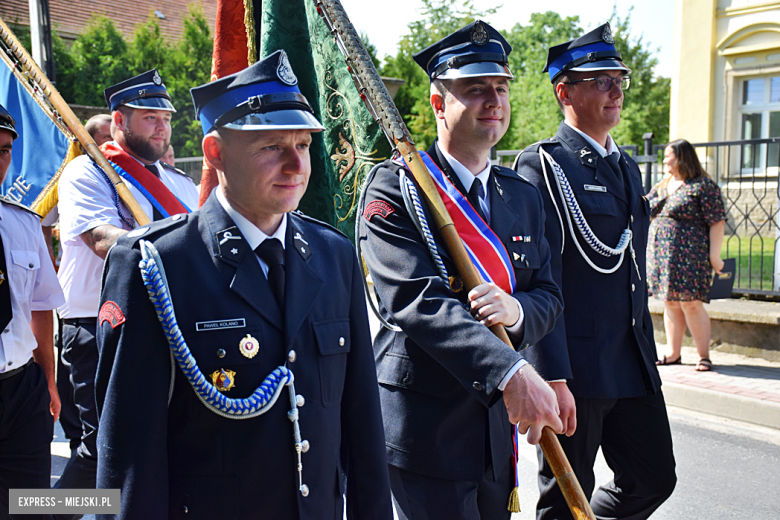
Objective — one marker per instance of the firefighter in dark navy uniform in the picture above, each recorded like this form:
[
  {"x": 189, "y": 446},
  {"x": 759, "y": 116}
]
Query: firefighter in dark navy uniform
[
  {"x": 252, "y": 392},
  {"x": 449, "y": 388},
  {"x": 600, "y": 359}
]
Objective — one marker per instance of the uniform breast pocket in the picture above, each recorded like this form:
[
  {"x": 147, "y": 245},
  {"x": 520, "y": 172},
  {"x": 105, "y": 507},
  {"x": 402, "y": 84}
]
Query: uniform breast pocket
[
  {"x": 597, "y": 203},
  {"x": 25, "y": 268},
  {"x": 333, "y": 341},
  {"x": 524, "y": 255}
]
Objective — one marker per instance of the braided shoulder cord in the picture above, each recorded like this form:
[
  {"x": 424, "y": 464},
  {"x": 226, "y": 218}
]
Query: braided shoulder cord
[
  {"x": 115, "y": 195},
  {"x": 415, "y": 209},
  {"x": 263, "y": 397},
  {"x": 582, "y": 225}
]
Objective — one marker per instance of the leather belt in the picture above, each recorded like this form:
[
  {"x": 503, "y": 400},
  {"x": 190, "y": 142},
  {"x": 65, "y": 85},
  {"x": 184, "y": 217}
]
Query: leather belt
[{"x": 15, "y": 371}]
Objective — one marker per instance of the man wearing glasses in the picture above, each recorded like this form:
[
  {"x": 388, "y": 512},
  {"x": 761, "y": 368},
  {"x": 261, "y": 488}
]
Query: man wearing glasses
[{"x": 600, "y": 358}]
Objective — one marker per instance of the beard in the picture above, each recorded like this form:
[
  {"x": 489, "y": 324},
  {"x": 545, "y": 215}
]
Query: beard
[{"x": 143, "y": 148}]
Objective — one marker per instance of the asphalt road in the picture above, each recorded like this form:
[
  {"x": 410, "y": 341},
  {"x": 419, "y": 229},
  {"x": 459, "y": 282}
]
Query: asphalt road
[{"x": 725, "y": 470}]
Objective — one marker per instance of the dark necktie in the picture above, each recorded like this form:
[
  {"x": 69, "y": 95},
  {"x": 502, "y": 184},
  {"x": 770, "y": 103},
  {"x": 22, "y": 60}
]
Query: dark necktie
[
  {"x": 156, "y": 215},
  {"x": 271, "y": 252},
  {"x": 612, "y": 160},
  {"x": 6, "y": 313},
  {"x": 475, "y": 194}
]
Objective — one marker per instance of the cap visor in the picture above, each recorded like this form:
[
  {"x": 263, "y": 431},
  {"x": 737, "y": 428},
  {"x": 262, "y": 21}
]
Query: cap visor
[
  {"x": 601, "y": 65},
  {"x": 152, "y": 103},
  {"x": 277, "y": 120},
  {"x": 9, "y": 129},
  {"x": 481, "y": 68}
]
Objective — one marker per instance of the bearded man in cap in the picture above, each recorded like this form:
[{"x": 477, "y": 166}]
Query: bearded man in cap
[
  {"x": 92, "y": 218},
  {"x": 244, "y": 385},
  {"x": 450, "y": 389},
  {"x": 601, "y": 356}
]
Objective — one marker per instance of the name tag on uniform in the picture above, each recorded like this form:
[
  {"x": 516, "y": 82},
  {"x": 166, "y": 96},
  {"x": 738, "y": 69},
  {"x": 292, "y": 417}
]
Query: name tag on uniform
[
  {"x": 235, "y": 323},
  {"x": 591, "y": 187}
]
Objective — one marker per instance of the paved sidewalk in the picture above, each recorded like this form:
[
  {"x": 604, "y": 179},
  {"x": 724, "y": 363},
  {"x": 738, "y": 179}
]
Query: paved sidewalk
[{"x": 738, "y": 387}]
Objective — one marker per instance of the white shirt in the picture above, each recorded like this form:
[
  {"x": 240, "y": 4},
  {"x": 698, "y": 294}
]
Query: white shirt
[
  {"x": 249, "y": 231},
  {"x": 611, "y": 146},
  {"x": 32, "y": 279},
  {"x": 86, "y": 201},
  {"x": 467, "y": 178}
]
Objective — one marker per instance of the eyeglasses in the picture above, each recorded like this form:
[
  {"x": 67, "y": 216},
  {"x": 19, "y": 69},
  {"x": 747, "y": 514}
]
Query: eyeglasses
[{"x": 604, "y": 83}]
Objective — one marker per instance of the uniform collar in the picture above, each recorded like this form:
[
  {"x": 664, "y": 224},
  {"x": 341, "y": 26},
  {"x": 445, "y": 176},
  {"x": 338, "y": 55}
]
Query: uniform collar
[
  {"x": 464, "y": 175},
  {"x": 251, "y": 233},
  {"x": 611, "y": 146}
]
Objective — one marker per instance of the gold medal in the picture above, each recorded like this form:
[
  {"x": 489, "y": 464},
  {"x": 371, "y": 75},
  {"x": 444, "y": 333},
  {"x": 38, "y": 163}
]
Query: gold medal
[
  {"x": 249, "y": 347},
  {"x": 223, "y": 379}
]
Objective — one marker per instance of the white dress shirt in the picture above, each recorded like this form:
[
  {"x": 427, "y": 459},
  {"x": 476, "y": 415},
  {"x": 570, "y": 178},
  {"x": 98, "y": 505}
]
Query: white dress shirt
[
  {"x": 86, "y": 201},
  {"x": 611, "y": 146},
  {"x": 250, "y": 232},
  {"x": 33, "y": 283}
]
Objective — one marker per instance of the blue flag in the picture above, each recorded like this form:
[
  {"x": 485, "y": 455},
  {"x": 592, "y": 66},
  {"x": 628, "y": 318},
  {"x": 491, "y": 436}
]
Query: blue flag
[{"x": 41, "y": 148}]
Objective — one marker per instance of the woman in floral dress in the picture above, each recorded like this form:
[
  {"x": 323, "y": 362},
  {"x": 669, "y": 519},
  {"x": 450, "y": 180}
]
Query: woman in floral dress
[{"x": 684, "y": 248}]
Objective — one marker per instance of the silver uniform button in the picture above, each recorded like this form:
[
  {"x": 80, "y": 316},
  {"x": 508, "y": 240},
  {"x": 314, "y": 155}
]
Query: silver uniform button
[
  {"x": 299, "y": 400},
  {"x": 633, "y": 287},
  {"x": 304, "y": 490},
  {"x": 184, "y": 509},
  {"x": 221, "y": 353},
  {"x": 291, "y": 356},
  {"x": 341, "y": 342},
  {"x": 305, "y": 446},
  {"x": 633, "y": 322},
  {"x": 632, "y": 218}
]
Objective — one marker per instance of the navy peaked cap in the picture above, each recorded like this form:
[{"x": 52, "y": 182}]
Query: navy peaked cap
[
  {"x": 593, "y": 51},
  {"x": 264, "y": 96},
  {"x": 7, "y": 122},
  {"x": 143, "y": 91},
  {"x": 475, "y": 50}
]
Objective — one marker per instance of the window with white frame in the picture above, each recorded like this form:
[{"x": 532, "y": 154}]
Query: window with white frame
[{"x": 760, "y": 119}]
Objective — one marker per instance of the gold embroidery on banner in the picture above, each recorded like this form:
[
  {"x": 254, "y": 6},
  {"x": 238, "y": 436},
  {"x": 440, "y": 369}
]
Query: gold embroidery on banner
[{"x": 352, "y": 163}]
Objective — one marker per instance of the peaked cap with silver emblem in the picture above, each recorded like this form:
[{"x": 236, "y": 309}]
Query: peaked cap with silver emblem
[
  {"x": 593, "y": 51},
  {"x": 143, "y": 91},
  {"x": 475, "y": 50},
  {"x": 264, "y": 96},
  {"x": 7, "y": 122}
]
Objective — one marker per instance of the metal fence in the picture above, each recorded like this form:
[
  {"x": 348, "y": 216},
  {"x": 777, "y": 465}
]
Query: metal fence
[
  {"x": 747, "y": 173},
  {"x": 192, "y": 166}
]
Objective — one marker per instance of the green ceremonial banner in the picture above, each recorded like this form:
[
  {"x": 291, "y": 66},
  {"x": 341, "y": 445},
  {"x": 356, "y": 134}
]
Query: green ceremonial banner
[{"x": 353, "y": 142}]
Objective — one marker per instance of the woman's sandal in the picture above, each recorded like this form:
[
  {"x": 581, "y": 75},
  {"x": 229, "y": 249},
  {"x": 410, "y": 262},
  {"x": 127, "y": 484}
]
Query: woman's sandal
[
  {"x": 704, "y": 365},
  {"x": 666, "y": 361}
]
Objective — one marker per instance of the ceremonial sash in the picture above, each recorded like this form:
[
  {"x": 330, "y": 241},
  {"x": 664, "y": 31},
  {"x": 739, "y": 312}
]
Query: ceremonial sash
[
  {"x": 486, "y": 251},
  {"x": 144, "y": 181}
]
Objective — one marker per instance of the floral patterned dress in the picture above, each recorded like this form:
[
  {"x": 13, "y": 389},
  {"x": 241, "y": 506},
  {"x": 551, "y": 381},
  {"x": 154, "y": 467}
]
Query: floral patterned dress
[{"x": 678, "y": 249}]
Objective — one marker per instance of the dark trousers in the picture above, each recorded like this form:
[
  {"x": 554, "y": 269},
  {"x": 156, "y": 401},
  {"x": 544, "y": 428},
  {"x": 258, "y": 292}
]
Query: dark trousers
[
  {"x": 419, "y": 497},
  {"x": 80, "y": 352},
  {"x": 69, "y": 412},
  {"x": 26, "y": 432},
  {"x": 636, "y": 441}
]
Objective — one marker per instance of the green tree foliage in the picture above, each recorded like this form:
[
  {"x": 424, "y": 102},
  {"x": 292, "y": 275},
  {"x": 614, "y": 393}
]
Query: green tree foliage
[
  {"x": 100, "y": 57},
  {"x": 646, "y": 103}
]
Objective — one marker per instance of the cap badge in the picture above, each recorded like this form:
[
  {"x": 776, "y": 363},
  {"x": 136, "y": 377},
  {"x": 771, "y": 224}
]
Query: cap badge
[
  {"x": 479, "y": 35},
  {"x": 285, "y": 72},
  {"x": 156, "y": 79},
  {"x": 607, "y": 36},
  {"x": 249, "y": 347},
  {"x": 223, "y": 379}
]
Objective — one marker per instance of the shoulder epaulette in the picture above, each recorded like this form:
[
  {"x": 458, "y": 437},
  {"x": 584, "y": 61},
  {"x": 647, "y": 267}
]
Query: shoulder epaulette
[
  {"x": 509, "y": 172},
  {"x": 173, "y": 169},
  {"x": 303, "y": 216},
  {"x": 19, "y": 205},
  {"x": 153, "y": 229},
  {"x": 534, "y": 148}
]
